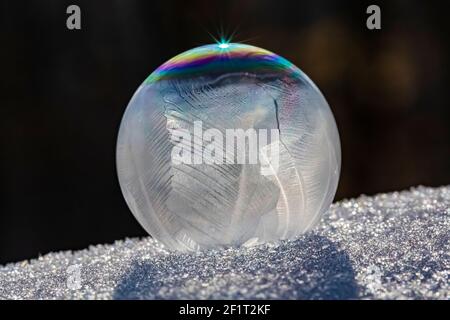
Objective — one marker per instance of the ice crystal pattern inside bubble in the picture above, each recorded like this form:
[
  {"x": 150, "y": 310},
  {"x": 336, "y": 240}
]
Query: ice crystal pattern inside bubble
[{"x": 195, "y": 203}]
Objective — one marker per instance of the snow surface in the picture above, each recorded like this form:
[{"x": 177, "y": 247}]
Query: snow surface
[{"x": 390, "y": 246}]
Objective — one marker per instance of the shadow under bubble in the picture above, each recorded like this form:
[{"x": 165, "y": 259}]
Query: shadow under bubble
[{"x": 311, "y": 267}]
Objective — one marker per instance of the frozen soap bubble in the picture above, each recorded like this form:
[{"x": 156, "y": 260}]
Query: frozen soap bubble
[{"x": 227, "y": 144}]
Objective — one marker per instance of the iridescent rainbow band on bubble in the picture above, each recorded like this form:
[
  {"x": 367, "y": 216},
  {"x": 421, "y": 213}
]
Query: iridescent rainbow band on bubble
[{"x": 217, "y": 58}]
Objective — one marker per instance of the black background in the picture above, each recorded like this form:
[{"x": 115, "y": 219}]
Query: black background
[{"x": 63, "y": 94}]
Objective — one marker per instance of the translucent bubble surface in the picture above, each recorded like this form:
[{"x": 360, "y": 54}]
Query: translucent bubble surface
[{"x": 227, "y": 144}]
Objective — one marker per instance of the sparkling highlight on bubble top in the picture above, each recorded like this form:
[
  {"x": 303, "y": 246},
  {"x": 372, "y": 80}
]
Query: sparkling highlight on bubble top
[{"x": 217, "y": 58}]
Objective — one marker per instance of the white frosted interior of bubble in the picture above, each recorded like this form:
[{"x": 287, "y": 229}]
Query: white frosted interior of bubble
[{"x": 192, "y": 206}]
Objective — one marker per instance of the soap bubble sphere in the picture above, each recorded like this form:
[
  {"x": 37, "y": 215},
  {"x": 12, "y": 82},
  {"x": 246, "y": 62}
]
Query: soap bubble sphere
[{"x": 227, "y": 144}]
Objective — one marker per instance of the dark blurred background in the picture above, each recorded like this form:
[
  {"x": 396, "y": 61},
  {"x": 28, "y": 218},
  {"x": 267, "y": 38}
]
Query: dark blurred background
[{"x": 63, "y": 94}]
